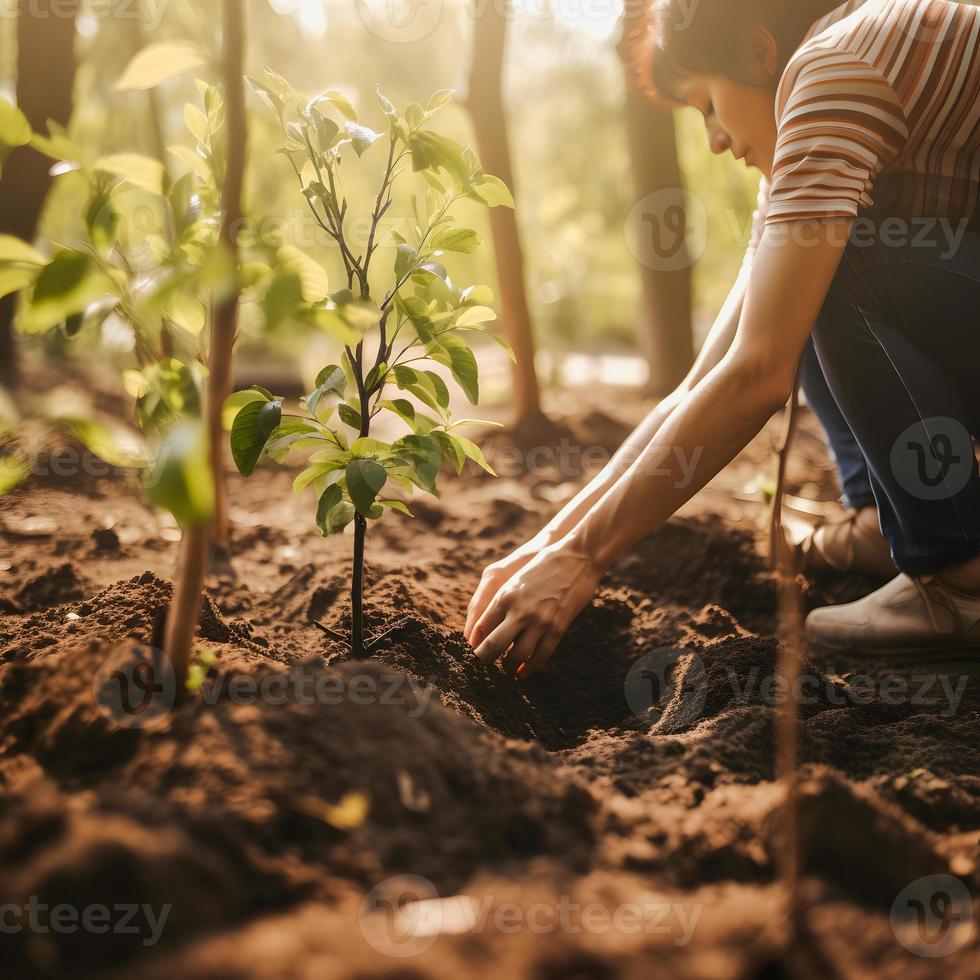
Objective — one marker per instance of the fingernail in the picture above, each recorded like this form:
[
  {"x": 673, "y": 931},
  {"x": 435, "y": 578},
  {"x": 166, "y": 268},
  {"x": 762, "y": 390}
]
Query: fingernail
[{"x": 522, "y": 670}]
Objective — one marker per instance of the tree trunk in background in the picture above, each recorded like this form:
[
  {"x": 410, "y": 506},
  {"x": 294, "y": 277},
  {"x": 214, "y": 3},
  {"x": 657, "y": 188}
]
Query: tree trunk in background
[
  {"x": 490, "y": 126},
  {"x": 45, "y": 79},
  {"x": 668, "y": 331},
  {"x": 185, "y": 610}
]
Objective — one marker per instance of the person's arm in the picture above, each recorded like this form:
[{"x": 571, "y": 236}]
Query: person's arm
[
  {"x": 496, "y": 575},
  {"x": 722, "y": 413}
]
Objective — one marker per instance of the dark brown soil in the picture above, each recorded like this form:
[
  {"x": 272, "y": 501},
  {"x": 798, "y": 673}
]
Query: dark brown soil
[{"x": 264, "y": 810}]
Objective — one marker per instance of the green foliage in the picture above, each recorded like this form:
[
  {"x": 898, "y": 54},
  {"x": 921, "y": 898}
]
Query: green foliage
[
  {"x": 157, "y": 63},
  {"x": 198, "y": 672},
  {"x": 180, "y": 478},
  {"x": 15, "y": 130},
  {"x": 152, "y": 258},
  {"x": 392, "y": 326}
]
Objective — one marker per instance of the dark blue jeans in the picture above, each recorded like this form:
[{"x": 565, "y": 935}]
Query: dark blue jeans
[{"x": 892, "y": 371}]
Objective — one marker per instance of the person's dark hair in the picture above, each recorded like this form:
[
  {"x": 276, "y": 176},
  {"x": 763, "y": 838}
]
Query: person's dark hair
[{"x": 702, "y": 35}]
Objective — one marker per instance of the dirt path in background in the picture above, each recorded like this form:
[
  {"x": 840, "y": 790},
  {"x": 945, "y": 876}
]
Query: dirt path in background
[{"x": 278, "y": 813}]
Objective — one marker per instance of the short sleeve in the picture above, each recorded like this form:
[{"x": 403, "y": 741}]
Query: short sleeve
[{"x": 839, "y": 124}]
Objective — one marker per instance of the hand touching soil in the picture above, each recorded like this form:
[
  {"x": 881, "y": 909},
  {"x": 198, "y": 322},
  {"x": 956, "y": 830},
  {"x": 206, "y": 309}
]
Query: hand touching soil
[{"x": 527, "y": 617}]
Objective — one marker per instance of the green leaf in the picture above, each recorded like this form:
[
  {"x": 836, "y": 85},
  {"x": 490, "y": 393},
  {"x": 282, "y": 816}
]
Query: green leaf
[
  {"x": 235, "y": 402},
  {"x": 366, "y": 446},
  {"x": 62, "y": 275},
  {"x": 347, "y": 316},
  {"x": 473, "y": 451},
  {"x": 477, "y": 296},
  {"x": 187, "y": 312},
  {"x": 425, "y": 454},
  {"x": 338, "y": 518},
  {"x": 474, "y": 315},
  {"x": 452, "y": 450},
  {"x": 310, "y": 475},
  {"x": 441, "y": 98},
  {"x": 115, "y": 444},
  {"x": 191, "y": 159},
  {"x": 181, "y": 480},
  {"x": 139, "y": 170},
  {"x": 293, "y": 434},
  {"x": 365, "y": 480},
  {"x": 250, "y": 431},
  {"x": 349, "y": 416},
  {"x": 405, "y": 259},
  {"x": 329, "y": 499},
  {"x": 15, "y": 130},
  {"x": 464, "y": 367},
  {"x": 421, "y": 385},
  {"x": 398, "y": 505},
  {"x": 158, "y": 62},
  {"x": 439, "y": 387},
  {"x": 196, "y": 123},
  {"x": 362, "y": 138},
  {"x": 341, "y": 103},
  {"x": 314, "y": 284},
  {"x": 503, "y": 344},
  {"x": 57, "y": 145},
  {"x": 165, "y": 391},
  {"x": 386, "y": 105},
  {"x": 15, "y": 278},
  {"x": 65, "y": 286},
  {"x": 414, "y": 115},
  {"x": 402, "y": 407},
  {"x": 457, "y": 240},
  {"x": 433, "y": 151},
  {"x": 330, "y": 381},
  {"x": 493, "y": 192},
  {"x": 14, "y": 250},
  {"x": 282, "y": 299}
]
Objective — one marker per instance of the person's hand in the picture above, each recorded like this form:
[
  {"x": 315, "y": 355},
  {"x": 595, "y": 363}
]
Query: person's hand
[
  {"x": 527, "y": 617},
  {"x": 495, "y": 577}
]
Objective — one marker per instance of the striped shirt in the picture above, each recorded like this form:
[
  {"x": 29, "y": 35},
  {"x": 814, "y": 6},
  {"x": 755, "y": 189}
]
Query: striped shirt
[{"x": 880, "y": 105}]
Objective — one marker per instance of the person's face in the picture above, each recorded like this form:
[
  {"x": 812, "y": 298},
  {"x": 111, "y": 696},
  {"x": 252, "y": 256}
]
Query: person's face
[{"x": 738, "y": 118}]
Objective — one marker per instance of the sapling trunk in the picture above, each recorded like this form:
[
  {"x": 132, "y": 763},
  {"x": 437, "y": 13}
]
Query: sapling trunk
[
  {"x": 357, "y": 589},
  {"x": 185, "y": 611},
  {"x": 226, "y": 312},
  {"x": 185, "y": 608}
]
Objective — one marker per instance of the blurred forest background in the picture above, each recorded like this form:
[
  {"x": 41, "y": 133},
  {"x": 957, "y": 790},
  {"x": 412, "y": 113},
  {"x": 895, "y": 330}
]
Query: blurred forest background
[{"x": 565, "y": 97}]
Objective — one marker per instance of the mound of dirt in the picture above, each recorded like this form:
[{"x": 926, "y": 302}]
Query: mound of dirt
[
  {"x": 362, "y": 772},
  {"x": 269, "y": 805}
]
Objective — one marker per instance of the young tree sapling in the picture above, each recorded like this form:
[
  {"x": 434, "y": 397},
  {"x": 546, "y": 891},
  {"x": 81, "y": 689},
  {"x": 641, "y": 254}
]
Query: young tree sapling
[{"x": 391, "y": 329}]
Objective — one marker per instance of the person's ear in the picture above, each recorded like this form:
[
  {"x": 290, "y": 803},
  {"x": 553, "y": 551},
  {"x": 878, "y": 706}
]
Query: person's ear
[{"x": 762, "y": 52}]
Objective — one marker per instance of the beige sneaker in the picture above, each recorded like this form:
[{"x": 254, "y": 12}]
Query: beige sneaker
[
  {"x": 905, "y": 616},
  {"x": 854, "y": 543}
]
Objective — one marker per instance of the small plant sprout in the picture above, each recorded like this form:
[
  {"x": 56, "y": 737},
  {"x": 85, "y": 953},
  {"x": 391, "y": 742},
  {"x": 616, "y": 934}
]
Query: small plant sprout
[{"x": 395, "y": 328}]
